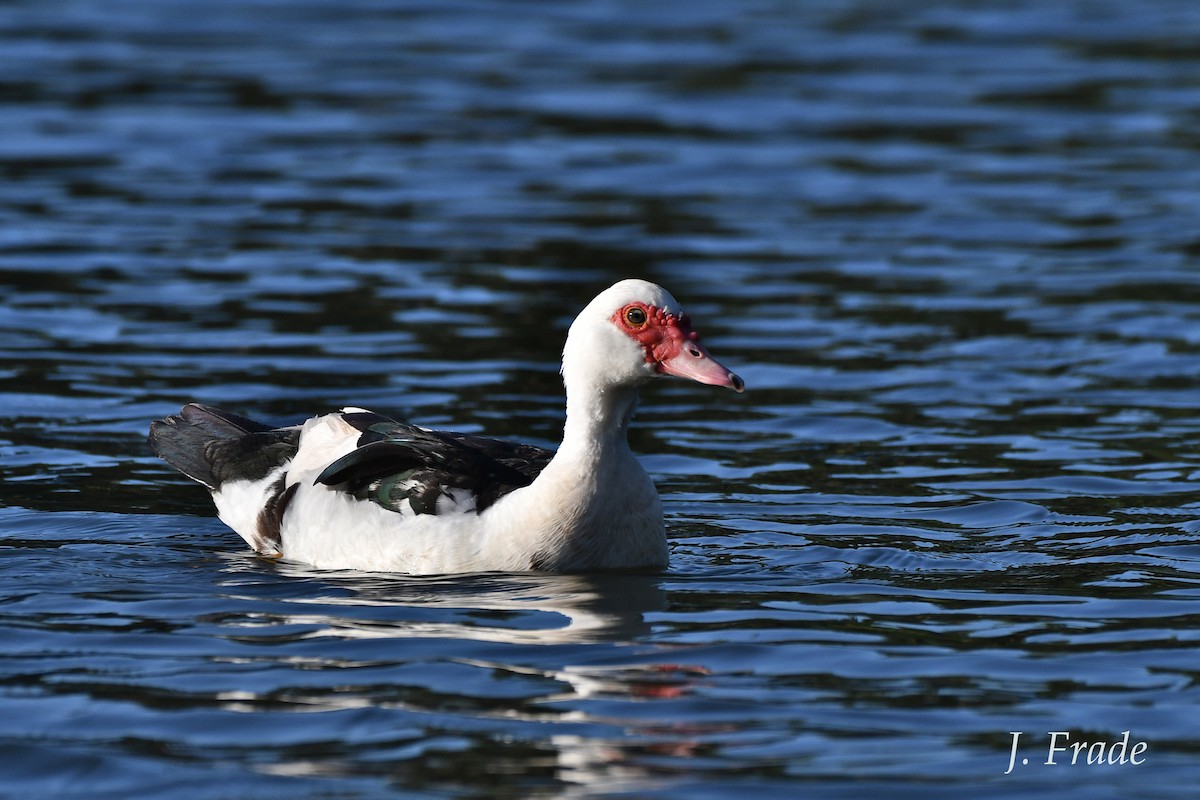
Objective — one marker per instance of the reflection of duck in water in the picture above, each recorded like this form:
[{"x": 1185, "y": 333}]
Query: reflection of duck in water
[
  {"x": 357, "y": 490},
  {"x": 579, "y": 707},
  {"x": 529, "y": 608}
]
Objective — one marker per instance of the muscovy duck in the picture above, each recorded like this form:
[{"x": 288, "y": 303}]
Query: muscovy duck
[{"x": 357, "y": 490}]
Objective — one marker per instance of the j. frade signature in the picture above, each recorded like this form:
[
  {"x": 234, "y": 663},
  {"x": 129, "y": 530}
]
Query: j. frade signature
[{"x": 1064, "y": 748}]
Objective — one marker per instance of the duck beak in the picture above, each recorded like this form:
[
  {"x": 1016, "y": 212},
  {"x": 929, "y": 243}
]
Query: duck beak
[{"x": 693, "y": 362}]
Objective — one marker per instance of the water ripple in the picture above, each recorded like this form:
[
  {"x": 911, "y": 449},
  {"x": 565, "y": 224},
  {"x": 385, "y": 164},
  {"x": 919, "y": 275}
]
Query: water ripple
[{"x": 949, "y": 249}]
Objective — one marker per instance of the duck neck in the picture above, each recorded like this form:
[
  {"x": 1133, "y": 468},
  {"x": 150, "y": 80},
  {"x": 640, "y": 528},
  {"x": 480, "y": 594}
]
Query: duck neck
[{"x": 598, "y": 420}]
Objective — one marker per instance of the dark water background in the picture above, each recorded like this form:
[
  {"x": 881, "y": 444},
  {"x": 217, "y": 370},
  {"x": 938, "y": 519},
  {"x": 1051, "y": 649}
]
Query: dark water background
[{"x": 951, "y": 246}]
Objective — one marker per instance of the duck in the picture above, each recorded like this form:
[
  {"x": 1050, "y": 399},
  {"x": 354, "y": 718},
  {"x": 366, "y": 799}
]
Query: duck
[{"x": 358, "y": 490}]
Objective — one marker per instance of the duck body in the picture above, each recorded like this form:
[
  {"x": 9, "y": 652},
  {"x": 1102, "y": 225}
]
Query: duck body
[{"x": 358, "y": 490}]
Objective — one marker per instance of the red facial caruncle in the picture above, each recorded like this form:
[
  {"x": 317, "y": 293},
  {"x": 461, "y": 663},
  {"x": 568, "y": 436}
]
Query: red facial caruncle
[{"x": 671, "y": 346}]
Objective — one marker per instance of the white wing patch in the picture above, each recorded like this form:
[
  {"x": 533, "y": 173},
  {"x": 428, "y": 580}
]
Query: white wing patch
[
  {"x": 456, "y": 501},
  {"x": 323, "y": 440}
]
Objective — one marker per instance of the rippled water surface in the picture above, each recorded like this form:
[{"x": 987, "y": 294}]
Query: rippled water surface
[{"x": 951, "y": 247}]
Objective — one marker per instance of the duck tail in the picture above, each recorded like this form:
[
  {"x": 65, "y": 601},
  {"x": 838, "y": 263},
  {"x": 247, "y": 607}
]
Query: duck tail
[{"x": 190, "y": 441}]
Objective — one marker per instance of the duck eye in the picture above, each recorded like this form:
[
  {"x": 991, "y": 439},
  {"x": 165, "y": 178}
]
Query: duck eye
[{"x": 636, "y": 317}]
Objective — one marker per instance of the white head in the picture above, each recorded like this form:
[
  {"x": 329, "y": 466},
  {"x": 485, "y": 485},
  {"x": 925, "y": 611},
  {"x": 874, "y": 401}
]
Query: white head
[{"x": 635, "y": 331}]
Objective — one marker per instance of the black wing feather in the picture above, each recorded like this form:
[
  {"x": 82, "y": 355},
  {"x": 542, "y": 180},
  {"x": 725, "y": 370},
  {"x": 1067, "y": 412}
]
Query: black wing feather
[
  {"x": 213, "y": 446},
  {"x": 396, "y": 463}
]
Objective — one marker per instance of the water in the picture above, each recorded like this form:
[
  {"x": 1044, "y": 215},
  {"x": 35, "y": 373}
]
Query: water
[{"x": 951, "y": 249}]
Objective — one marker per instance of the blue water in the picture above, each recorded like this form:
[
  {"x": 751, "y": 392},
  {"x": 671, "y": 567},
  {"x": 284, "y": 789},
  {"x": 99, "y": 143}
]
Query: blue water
[{"x": 952, "y": 250}]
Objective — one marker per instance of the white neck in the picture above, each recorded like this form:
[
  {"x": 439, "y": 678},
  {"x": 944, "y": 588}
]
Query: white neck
[
  {"x": 598, "y": 419},
  {"x": 593, "y": 505}
]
